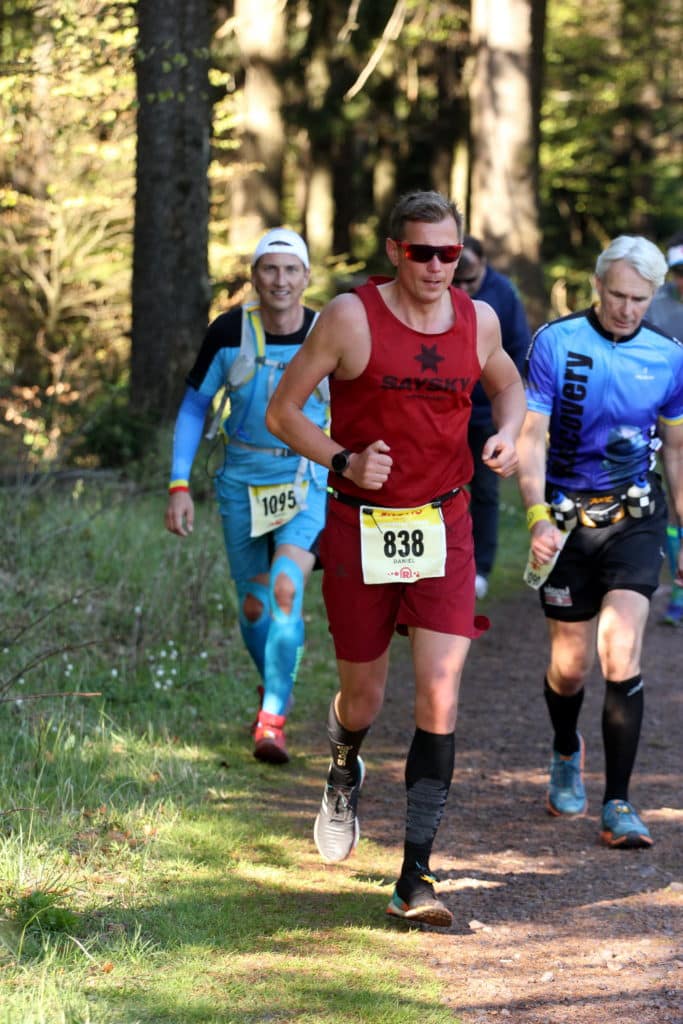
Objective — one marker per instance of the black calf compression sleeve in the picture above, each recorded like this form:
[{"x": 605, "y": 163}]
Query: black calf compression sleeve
[
  {"x": 622, "y": 715},
  {"x": 344, "y": 747},
  {"x": 564, "y": 716},
  {"x": 428, "y": 773}
]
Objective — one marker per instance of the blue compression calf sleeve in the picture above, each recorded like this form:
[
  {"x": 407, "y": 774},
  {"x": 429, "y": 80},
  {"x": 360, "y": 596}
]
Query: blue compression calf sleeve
[
  {"x": 255, "y": 634},
  {"x": 285, "y": 643}
]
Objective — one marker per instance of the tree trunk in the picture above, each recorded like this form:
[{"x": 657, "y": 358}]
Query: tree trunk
[
  {"x": 504, "y": 208},
  {"x": 320, "y": 212},
  {"x": 171, "y": 290},
  {"x": 256, "y": 201}
]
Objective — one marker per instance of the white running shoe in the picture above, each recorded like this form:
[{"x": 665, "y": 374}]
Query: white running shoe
[{"x": 336, "y": 830}]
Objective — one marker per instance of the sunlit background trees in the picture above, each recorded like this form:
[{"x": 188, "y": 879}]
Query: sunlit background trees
[{"x": 145, "y": 146}]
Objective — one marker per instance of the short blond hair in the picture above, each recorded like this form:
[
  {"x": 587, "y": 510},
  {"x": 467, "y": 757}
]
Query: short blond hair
[{"x": 427, "y": 207}]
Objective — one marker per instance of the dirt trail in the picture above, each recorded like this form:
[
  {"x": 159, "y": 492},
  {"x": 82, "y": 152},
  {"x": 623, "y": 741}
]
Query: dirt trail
[{"x": 550, "y": 927}]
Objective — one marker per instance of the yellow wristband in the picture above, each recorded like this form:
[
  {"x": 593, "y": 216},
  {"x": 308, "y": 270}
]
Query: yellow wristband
[
  {"x": 537, "y": 513},
  {"x": 178, "y": 485}
]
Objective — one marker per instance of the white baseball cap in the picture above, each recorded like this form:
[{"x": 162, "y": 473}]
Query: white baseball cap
[
  {"x": 674, "y": 256},
  {"x": 281, "y": 240}
]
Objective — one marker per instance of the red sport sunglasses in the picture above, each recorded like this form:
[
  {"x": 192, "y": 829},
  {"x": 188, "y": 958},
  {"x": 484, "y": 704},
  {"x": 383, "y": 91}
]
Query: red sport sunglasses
[{"x": 424, "y": 253}]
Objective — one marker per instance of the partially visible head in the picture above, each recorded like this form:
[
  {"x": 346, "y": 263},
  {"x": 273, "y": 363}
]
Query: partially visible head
[
  {"x": 674, "y": 259},
  {"x": 280, "y": 270},
  {"x": 627, "y": 274},
  {"x": 675, "y": 241},
  {"x": 471, "y": 268},
  {"x": 425, "y": 207}
]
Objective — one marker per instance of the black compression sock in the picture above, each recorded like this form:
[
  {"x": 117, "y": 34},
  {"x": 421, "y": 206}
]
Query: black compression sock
[
  {"x": 622, "y": 716},
  {"x": 428, "y": 773},
  {"x": 344, "y": 747},
  {"x": 564, "y": 716}
]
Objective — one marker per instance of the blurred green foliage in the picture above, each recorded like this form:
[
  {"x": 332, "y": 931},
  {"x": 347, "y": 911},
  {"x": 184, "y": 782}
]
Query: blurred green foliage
[{"x": 610, "y": 157}]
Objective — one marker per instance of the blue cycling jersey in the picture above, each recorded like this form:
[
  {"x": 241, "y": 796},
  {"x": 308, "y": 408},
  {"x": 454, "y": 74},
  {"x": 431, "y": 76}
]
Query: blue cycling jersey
[{"x": 604, "y": 398}]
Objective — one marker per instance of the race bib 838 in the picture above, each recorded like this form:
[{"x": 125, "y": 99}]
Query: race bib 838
[{"x": 402, "y": 545}]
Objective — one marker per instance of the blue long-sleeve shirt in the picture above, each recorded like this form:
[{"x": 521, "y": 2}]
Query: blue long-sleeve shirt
[{"x": 245, "y": 414}]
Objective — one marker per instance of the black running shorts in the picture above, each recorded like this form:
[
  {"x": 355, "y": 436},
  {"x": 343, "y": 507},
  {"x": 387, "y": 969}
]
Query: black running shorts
[{"x": 625, "y": 556}]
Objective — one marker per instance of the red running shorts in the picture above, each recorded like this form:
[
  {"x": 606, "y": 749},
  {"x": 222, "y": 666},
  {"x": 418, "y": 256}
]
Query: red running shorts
[{"x": 363, "y": 617}]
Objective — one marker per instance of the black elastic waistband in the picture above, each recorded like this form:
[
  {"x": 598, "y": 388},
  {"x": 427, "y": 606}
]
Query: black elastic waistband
[{"x": 350, "y": 499}]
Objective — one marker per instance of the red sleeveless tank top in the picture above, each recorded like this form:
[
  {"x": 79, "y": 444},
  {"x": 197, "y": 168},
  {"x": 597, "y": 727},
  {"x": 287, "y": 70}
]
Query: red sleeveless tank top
[{"x": 414, "y": 394}]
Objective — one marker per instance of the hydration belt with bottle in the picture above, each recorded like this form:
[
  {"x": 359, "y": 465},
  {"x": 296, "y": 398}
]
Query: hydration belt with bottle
[{"x": 593, "y": 510}]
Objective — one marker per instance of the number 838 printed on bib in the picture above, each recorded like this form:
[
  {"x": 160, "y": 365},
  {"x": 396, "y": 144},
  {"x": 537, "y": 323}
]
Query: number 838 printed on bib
[{"x": 402, "y": 545}]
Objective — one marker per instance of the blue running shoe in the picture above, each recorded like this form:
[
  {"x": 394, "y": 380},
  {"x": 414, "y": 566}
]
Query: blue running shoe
[
  {"x": 673, "y": 616},
  {"x": 621, "y": 828},
  {"x": 414, "y": 900},
  {"x": 566, "y": 793},
  {"x": 337, "y": 830}
]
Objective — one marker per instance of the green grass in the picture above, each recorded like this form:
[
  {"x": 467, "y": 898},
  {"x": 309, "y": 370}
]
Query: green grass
[
  {"x": 150, "y": 869},
  {"x": 513, "y": 544}
]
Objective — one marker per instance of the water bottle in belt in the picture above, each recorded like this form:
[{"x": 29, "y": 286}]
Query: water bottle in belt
[
  {"x": 564, "y": 511},
  {"x": 640, "y": 501}
]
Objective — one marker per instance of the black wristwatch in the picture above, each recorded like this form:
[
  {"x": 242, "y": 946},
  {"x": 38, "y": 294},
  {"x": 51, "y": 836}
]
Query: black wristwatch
[{"x": 340, "y": 461}]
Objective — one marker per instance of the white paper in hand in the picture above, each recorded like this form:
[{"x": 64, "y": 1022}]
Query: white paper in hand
[{"x": 536, "y": 574}]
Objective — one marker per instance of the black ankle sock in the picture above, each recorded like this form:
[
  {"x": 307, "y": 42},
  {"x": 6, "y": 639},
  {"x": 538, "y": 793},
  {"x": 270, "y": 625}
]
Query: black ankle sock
[
  {"x": 344, "y": 747},
  {"x": 622, "y": 716},
  {"x": 564, "y": 716},
  {"x": 428, "y": 773},
  {"x": 414, "y": 881}
]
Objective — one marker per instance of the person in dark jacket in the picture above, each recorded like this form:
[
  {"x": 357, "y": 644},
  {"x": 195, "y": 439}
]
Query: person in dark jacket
[
  {"x": 666, "y": 312},
  {"x": 474, "y": 275}
]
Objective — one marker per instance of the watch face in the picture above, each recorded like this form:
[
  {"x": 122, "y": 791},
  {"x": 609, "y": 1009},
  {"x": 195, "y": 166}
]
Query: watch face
[{"x": 340, "y": 461}]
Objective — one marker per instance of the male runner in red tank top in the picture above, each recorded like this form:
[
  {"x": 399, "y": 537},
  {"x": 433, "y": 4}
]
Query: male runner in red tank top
[{"x": 403, "y": 355}]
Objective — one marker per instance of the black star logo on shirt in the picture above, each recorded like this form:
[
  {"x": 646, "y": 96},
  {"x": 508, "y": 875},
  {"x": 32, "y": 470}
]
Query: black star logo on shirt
[{"x": 429, "y": 358}]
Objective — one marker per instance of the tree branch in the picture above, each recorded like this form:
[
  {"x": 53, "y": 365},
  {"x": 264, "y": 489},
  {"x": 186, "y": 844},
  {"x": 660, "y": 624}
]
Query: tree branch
[
  {"x": 351, "y": 23},
  {"x": 38, "y": 660},
  {"x": 392, "y": 31},
  {"x": 46, "y": 615},
  {"x": 42, "y": 696}
]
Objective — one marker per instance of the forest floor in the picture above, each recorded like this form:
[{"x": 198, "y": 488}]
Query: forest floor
[{"x": 550, "y": 927}]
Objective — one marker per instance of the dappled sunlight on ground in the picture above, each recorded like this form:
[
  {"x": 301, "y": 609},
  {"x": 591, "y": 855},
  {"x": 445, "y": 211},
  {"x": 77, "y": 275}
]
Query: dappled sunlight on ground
[{"x": 550, "y": 926}]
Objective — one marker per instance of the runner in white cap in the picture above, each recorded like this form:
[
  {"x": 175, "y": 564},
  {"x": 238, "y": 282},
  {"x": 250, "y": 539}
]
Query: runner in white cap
[{"x": 272, "y": 502}]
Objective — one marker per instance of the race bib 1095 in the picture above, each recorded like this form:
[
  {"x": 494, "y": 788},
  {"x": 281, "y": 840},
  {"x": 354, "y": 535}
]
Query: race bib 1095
[{"x": 273, "y": 505}]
